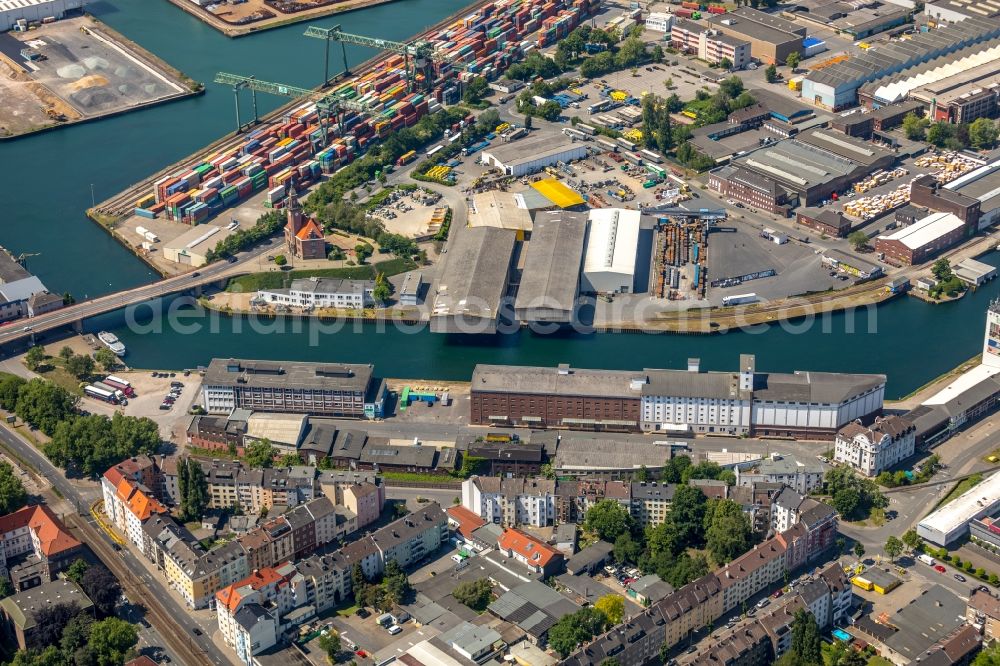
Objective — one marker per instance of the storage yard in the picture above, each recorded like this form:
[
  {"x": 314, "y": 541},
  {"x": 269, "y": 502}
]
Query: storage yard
[
  {"x": 77, "y": 70},
  {"x": 236, "y": 19}
]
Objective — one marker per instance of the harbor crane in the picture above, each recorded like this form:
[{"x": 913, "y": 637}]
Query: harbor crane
[
  {"x": 328, "y": 106},
  {"x": 417, "y": 56}
]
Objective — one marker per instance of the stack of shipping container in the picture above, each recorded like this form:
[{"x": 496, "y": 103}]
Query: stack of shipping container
[{"x": 294, "y": 151}]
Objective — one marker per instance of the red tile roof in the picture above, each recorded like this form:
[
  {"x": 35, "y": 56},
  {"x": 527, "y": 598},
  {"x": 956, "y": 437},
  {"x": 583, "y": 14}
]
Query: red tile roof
[
  {"x": 51, "y": 534},
  {"x": 138, "y": 502},
  {"x": 310, "y": 231},
  {"x": 467, "y": 521},
  {"x": 538, "y": 553},
  {"x": 232, "y": 595}
]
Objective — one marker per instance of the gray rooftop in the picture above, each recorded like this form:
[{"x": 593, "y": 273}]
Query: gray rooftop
[
  {"x": 551, "y": 275},
  {"x": 532, "y": 148},
  {"x": 593, "y": 554},
  {"x": 936, "y": 613},
  {"x": 407, "y": 527},
  {"x": 10, "y": 270},
  {"x": 685, "y": 384},
  {"x": 895, "y": 56},
  {"x": 818, "y": 387},
  {"x": 470, "y": 638},
  {"x": 558, "y": 381},
  {"x": 576, "y": 454},
  {"x": 288, "y": 375},
  {"x": 474, "y": 278},
  {"x": 314, "y": 285},
  {"x": 410, "y": 456},
  {"x": 856, "y": 150},
  {"x": 759, "y": 25}
]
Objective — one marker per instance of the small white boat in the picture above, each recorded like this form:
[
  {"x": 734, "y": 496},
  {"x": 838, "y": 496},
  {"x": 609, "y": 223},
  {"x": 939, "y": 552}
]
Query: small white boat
[{"x": 112, "y": 342}]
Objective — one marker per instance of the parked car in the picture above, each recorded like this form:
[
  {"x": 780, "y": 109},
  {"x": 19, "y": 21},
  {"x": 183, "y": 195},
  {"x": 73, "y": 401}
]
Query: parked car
[
  {"x": 939, "y": 568},
  {"x": 362, "y": 613},
  {"x": 960, "y": 578}
]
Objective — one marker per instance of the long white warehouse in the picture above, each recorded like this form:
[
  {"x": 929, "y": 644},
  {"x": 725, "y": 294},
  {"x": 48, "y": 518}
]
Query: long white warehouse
[
  {"x": 519, "y": 158},
  {"x": 610, "y": 255},
  {"x": 951, "y": 521}
]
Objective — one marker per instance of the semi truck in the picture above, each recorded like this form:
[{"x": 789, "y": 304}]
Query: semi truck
[
  {"x": 100, "y": 394},
  {"x": 122, "y": 385},
  {"x": 118, "y": 394},
  {"x": 739, "y": 299}
]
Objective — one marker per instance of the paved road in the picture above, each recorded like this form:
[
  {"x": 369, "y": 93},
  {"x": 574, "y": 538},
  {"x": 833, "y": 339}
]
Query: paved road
[
  {"x": 155, "y": 590},
  {"x": 23, "y": 329}
]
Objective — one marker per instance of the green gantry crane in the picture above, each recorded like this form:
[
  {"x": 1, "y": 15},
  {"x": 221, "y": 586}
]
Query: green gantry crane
[
  {"x": 328, "y": 106},
  {"x": 417, "y": 56}
]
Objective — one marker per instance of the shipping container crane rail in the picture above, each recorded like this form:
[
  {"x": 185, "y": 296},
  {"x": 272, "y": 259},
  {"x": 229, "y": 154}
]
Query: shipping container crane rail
[
  {"x": 416, "y": 55},
  {"x": 328, "y": 106}
]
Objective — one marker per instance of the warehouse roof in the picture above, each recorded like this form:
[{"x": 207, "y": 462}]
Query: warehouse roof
[
  {"x": 288, "y": 375},
  {"x": 927, "y": 619},
  {"x": 976, "y": 501},
  {"x": 602, "y": 454},
  {"x": 281, "y": 428},
  {"x": 21, "y": 607},
  {"x": 551, "y": 275},
  {"x": 685, "y": 384},
  {"x": 796, "y": 164},
  {"x": 474, "y": 277},
  {"x": 759, "y": 25},
  {"x": 971, "y": 59},
  {"x": 855, "y": 150},
  {"x": 10, "y": 269},
  {"x": 558, "y": 193},
  {"x": 561, "y": 380},
  {"x": 406, "y": 456},
  {"x": 498, "y": 209},
  {"x": 200, "y": 238},
  {"x": 820, "y": 387},
  {"x": 897, "y": 55},
  {"x": 927, "y": 230},
  {"x": 530, "y": 149},
  {"x": 612, "y": 241}
]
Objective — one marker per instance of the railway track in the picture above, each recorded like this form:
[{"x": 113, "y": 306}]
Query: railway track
[{"x": 177, "y": 640}]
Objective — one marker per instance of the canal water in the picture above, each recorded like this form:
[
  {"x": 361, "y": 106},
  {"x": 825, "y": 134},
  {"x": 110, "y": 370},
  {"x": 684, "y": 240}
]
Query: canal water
[{"x": 45, "y": 185}]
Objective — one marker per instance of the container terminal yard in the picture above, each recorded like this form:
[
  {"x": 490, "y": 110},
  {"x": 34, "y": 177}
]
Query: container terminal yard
[
  {"x": 77, "y": 70},
  {"x": 250, "y": 16}
]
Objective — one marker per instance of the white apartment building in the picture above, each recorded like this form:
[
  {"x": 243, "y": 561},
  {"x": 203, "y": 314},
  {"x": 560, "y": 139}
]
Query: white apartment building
[
  {"x": 695, "y": 401},
  {"x": 873, "y": 450},
  {"x": 714, "y": 47},
  {"x": 511, "y": 502},
  {"x": 322, "y": 293}
]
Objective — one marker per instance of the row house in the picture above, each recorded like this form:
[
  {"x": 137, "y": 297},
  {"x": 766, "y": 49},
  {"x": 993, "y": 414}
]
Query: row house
[
  {"x": 273, "y": 592},
  {"x": 804, "y": 477},
  {"x": 128, "y": 504},
  {"x": 752, "y": 572},
  {"x": 361, "y": 493},
  {"x": 789, "y": 508},
  {"x": 638, "y": 640},
  {"x": 533, "y": 553},
  {"x": 35, "y": 546}
]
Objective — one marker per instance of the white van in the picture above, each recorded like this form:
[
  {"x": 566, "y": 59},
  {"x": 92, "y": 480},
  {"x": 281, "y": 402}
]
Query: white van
[
  {"x": 394, "y": 629},
  {"x": 926, "y": 559}
]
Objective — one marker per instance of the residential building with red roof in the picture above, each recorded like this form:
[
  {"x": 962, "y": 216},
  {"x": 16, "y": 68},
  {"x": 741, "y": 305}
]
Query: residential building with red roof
[
  {"x": 269, "y": 593},
  {"x": 533, "y": 553},
  {"x": 303, "y": 237},
  {"x": 37, "y": 534},
  {"x": 128, "y": 503},
  {"x": 464, "y": 521}
]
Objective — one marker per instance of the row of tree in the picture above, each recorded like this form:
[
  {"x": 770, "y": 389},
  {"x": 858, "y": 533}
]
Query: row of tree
[
  {"x": 192, "y": 488},
  {"x": 854, "y": 498},
  {"x": 85, "y": 444},
  {"x": 981, "y": 133},
  {"x": 266, "y": 226},
  {"x": 391, "y": 590}
]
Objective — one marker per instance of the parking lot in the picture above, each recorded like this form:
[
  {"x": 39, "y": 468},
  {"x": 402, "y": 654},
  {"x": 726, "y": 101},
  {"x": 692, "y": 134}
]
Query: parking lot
[{"x": 408, "y": 213}]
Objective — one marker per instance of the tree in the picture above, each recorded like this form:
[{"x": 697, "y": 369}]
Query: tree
[
  {"x": 260, "y": 454},
  {"x": 915, "y": 127},
  {"x": 51, "y": 620},
  {"x": 608, "y": 519},
  {"x": 859, "y": 550},
  {"x": 687, "y": 514},
  {"x": 476, "y": 90},
  {"x": 527, "y": 121},
  {"x": 771, "y": 74},
  {"x": 6, "y": 588},
  {"x": 111, "y": 639},
  {"x": 10, "y": 386},
  {"x": 476, "y": 594},
  {"x": 613, "y": 607},
  {"x": 793, "y": 59},
  {"x": 76, "y": 633},
  {"x": 575, "y": 628},
  {"x": 858, "y": 239},
  {"x": 106, "y": 359},
  {"x": 939, "y": 134},
  {"x": 989, "y": 656},
  {"x": 77, "y": 569},
  {"x": 806, "y": 639},
  {"x": 382, "y": 290},
  {"x": 726, "y": 64},
  {"x": 101, "y": 586},
  {"x": 44, "y": 405},
  {"x": 280, "y": 260},
  {"x": 362, "y": 251},
  {"x": 627, "y": 549},
  {"x": 330, "y": 644},
  {"x": 846, "y": 502},
  {"x": 983, "y": 133},
  {"x": 912, "y": 540},
  {"x": 893, "y": 547},
  {"x": 35, "y": 356},
  {"x": 80, "y": 366},
  {"x": 642, "y": 475},
  {"x": 66, "y": 352},
  {"x": 12, "y": 493},
  {"x": 729, "y": 534},
  {"x": 941, "y": 269}
]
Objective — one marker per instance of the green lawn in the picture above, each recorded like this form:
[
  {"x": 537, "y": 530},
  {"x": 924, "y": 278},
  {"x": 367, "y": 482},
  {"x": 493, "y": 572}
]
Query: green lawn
[
  {"x": 962, "y": 486},
  {"x": 283, "y": 279}
]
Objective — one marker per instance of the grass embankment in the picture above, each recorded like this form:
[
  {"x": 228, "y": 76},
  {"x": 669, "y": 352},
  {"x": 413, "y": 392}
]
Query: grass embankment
[
  {"x": 53, "y": 368},
  {"x": 283, "y": 279},
  {"x": 961, "y": 487},
  {"x": 421, "y": 477}
]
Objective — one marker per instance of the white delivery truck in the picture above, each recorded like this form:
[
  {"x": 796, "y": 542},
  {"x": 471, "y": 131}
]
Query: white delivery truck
[{"x": 926, "y": 559}]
